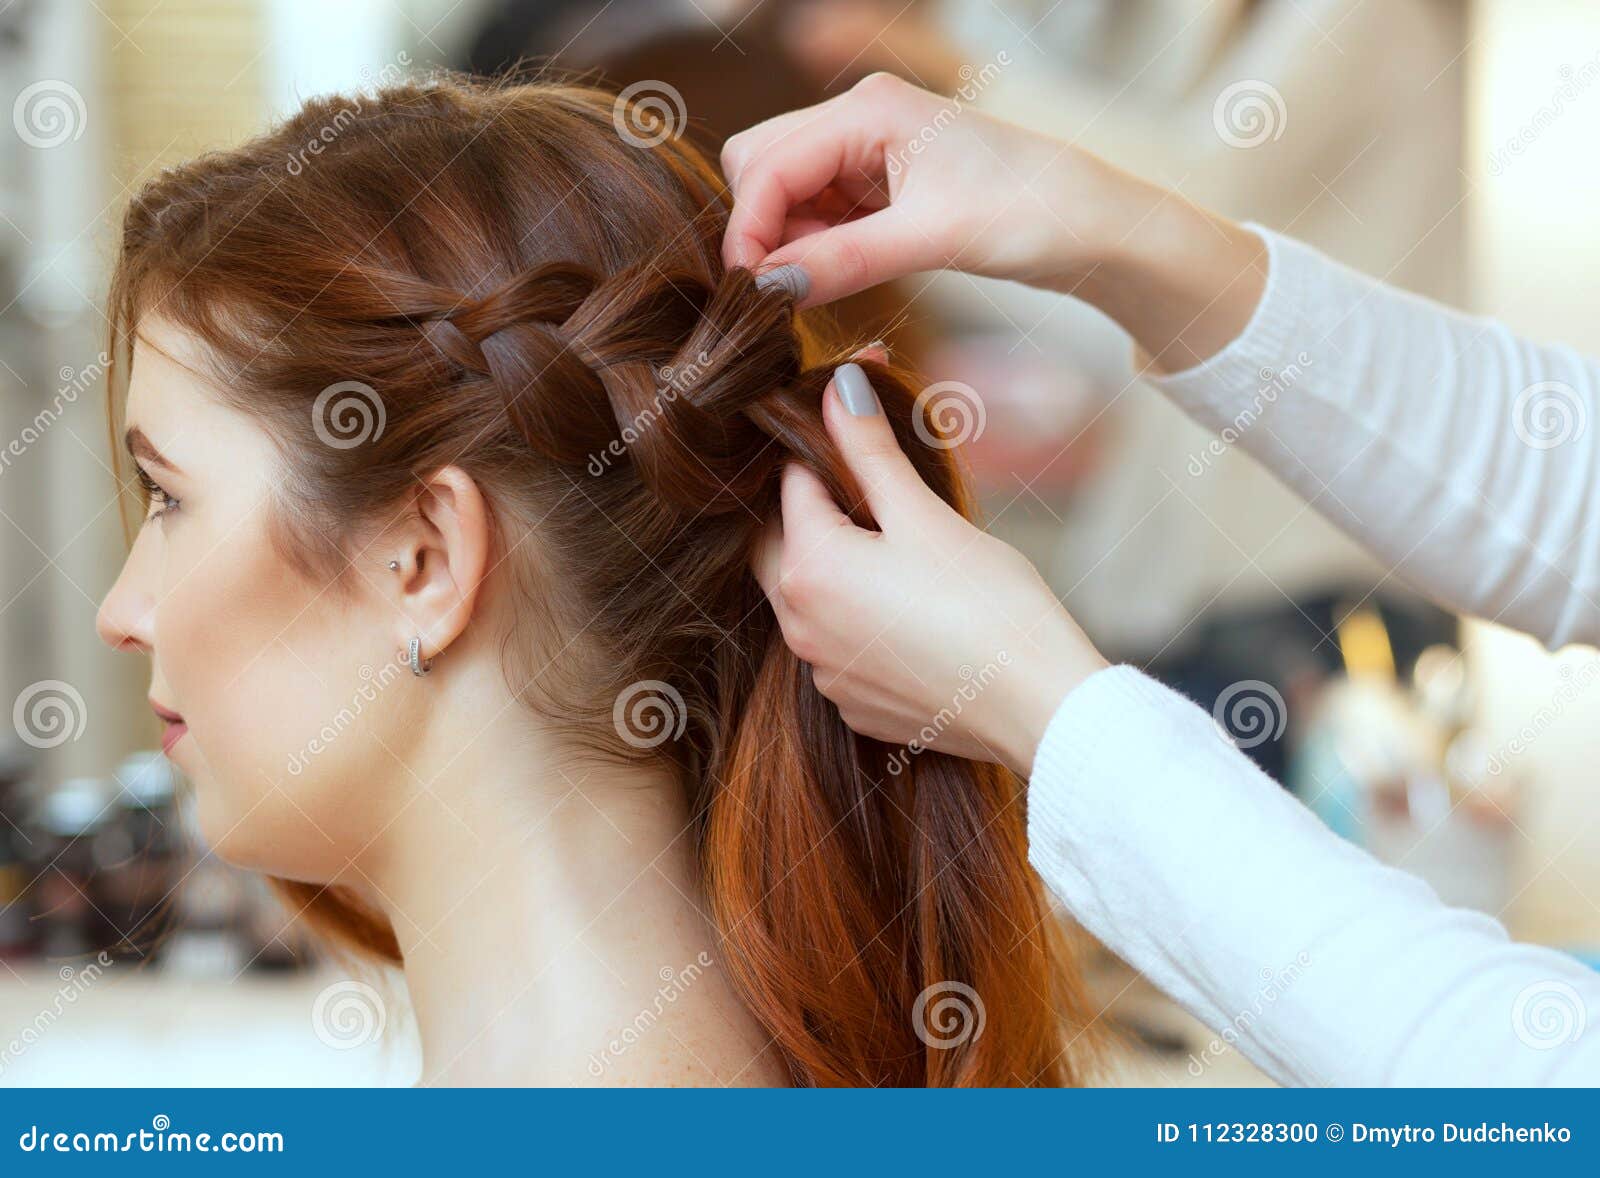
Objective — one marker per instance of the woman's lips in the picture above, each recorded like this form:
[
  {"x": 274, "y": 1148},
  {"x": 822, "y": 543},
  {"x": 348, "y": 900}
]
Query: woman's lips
[
  {"x": 175, "y": 727},
  {"x": 171, "y": 734}
]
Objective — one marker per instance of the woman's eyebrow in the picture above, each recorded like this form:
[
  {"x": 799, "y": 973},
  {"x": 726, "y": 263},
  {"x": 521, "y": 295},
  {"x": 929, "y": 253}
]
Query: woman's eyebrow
[{"x": 142, "y": 447}]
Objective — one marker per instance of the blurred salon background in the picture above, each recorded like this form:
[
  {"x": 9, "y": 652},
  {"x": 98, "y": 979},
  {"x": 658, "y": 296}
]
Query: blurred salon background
[{"x": 1443, "y": 145}]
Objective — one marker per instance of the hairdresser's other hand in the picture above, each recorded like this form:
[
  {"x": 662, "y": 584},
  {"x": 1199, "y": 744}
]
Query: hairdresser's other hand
[
  {"x": 930, "y": 630},
  {"x": 888, "y": 179},
  {"x": 885, "y": 180}
]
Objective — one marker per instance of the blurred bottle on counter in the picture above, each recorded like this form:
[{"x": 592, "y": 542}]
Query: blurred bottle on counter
[{"x": 1398, "y": 766}]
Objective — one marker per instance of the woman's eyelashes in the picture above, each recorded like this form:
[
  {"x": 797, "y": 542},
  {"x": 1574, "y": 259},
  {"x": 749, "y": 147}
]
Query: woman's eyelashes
[{"x": 154, "y": 494}]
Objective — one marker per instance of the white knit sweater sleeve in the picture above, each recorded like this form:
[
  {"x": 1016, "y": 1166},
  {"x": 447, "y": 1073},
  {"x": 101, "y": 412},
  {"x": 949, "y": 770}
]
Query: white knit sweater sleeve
[
  {"x": 1465, "y": 458},
  {"x": 1319, "y": 963}
]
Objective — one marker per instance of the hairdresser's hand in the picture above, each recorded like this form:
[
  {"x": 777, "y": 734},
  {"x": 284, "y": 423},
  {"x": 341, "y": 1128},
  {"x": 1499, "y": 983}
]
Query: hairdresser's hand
[
  {"x": 887, "y": 180},
  {"x": 929, "y": 631}
]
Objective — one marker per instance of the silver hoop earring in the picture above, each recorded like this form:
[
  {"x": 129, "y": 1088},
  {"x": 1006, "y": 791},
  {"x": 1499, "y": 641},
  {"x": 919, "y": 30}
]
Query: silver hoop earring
[{"x": 414, "y": 657}]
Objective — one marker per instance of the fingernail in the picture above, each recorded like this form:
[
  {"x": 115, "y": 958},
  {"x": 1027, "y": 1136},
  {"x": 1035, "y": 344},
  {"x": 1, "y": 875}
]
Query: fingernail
[
  {"x": 880, "y": 345},
  {"x": 789, "y": 276},
  {"x": 855, "y": 390}
]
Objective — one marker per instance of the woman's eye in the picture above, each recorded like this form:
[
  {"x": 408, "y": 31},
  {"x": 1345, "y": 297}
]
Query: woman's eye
[{"x": 155, "y": 494}]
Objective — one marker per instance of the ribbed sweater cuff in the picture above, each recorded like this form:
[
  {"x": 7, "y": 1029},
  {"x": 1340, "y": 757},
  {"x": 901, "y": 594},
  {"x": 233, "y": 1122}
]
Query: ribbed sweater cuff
[
  {"x": 1258, "y": 355},
  {"x": 1112, "y": 711}
]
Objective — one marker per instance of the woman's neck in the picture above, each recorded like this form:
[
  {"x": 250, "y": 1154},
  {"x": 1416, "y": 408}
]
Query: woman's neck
[{"x": 552, "y": 925}]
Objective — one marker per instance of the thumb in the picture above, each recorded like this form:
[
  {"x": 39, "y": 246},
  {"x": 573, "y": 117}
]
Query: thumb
[
  {"x": 855, "y": 420},
  {"x": 843, "y": 259}
]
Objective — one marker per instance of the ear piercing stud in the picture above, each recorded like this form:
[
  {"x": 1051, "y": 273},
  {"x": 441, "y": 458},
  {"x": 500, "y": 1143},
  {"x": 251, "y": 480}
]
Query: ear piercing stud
[{"x": 394, "y": 566}]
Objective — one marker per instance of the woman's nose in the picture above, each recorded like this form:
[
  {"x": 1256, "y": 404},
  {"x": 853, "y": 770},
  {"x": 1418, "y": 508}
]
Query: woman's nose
[{"x": 124, "y": 620}]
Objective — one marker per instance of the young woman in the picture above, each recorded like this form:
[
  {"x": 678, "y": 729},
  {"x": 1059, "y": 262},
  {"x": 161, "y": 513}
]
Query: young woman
[{"x": 458, "y": 439}]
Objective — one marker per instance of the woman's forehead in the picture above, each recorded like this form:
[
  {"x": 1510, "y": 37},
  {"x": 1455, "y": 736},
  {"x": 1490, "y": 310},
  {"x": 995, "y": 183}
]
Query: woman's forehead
[{"x": 174, "y": 404}]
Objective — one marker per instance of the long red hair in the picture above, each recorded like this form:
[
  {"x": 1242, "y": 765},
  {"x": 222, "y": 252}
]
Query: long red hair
[{"x": 530, "y": 278}]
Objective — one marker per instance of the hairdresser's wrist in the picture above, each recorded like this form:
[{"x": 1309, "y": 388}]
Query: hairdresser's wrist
[
  {"x": 1055, "y": 663},
  {"x": 1182, "y": 281},
  {"x": 1056, "y": 230}
]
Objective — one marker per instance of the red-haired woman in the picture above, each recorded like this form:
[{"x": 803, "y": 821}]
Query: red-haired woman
[{"x": 457, "y": 439}]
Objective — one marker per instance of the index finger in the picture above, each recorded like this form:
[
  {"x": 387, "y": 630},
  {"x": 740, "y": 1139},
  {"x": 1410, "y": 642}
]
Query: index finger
[
  {"x": 740, "y": 146},
  {"x": 786, "y": 166}
]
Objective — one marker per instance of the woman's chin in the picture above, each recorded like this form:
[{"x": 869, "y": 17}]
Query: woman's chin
[
  {"x": 248, "y": 836},
  {"x": 292, "y": 828},
  {"x": 231, "y": 840}
]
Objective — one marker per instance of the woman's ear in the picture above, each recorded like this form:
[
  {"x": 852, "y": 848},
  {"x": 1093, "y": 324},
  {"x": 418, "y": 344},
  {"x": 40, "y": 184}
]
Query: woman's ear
[{"x": 442, "y": 544}]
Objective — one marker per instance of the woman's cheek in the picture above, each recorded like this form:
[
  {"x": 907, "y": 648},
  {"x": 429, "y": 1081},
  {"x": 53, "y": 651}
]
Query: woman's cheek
[{"x": 254, "y": 655}]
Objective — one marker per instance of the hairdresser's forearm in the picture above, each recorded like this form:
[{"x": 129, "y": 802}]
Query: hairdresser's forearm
[
  {"x": 1461, "y": 455},
  {"x": 1183, "y": 282},
  {"x": 1318, "y": 962}
]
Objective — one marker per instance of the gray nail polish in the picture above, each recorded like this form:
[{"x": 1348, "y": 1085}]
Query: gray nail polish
[
  {"x": 855, "y": 390},
  {"x": 789, "y": 276}
]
